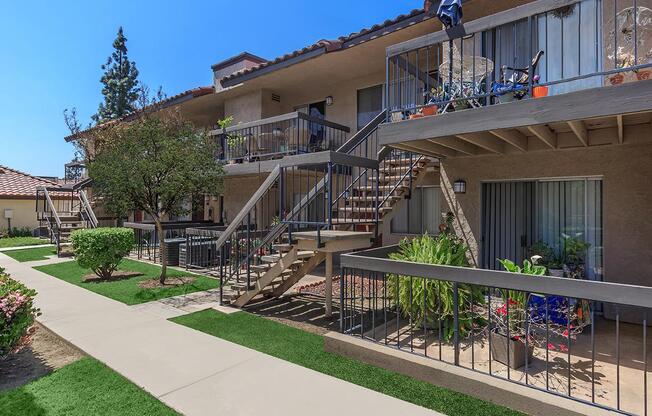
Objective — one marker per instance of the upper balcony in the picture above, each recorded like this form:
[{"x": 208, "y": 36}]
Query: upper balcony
[
  {"x": 549, "y": 74},
  {"x": 279, "y": 136}
]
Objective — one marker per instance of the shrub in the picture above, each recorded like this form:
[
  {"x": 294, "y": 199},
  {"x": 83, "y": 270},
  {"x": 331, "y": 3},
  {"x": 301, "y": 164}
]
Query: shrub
[
  {"x": 102, "y": 249},
  {"x": 444, "y": 249},
  {"x": 17, "y": 314}
]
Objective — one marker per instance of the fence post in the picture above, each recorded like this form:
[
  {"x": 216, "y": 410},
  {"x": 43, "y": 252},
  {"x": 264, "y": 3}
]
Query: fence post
[
  {"x": 456, "y": 322},
  {"x": 330, "y": 195}
]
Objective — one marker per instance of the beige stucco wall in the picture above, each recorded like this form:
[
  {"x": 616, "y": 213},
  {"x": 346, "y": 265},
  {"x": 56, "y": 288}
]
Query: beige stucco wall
[
  {"x": 244, "y": 108},
  {"x": 627, "y": 201},
  {"x": 24, "y": 214}
]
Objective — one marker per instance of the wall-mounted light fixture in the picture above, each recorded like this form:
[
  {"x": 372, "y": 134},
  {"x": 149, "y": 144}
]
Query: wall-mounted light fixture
[
  {"x": 459, "y": 186},
  {"x": 329, "y": 100}
]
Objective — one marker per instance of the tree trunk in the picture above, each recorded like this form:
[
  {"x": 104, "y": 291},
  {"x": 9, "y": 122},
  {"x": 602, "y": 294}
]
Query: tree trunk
[{"x": 162, "y": 250}]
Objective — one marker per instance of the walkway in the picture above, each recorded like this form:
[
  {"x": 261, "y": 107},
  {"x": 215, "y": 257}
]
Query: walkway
[{"x": 192, "y": 372}]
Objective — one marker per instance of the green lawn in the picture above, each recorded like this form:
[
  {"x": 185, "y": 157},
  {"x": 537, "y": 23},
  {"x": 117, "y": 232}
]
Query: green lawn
[
  {"x": 21, "y": 241},
  {"x": 127, "y": 290},
  {"x": 307, "y": 349},
  {"x": 31, "y": 254},
  {"x": 85, "y": 387}
]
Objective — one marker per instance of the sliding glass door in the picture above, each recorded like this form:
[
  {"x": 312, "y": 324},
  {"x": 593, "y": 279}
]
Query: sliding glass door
[{"x": 516, "y": 215}]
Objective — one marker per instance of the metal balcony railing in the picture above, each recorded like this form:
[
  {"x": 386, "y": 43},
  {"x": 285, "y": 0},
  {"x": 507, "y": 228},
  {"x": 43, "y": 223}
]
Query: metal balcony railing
[
  {"x": 546, "y": 47},
  {"x": 275, "y": 137},
  {"x": 579, "y": 339}
]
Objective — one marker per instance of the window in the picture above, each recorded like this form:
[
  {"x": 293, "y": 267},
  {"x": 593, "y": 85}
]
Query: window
[
  {"x": 421, "y": 214},
  {"x": 370, "y": 103}
]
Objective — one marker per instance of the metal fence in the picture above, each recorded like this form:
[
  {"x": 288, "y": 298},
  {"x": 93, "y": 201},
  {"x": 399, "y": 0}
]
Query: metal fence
[
  {"x": 542, "y": 332},
  {"x": 546, "y": 47},
  {"x": 275, "y": 137}
]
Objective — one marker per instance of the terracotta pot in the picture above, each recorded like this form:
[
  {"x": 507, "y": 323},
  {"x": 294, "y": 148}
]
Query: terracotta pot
[
  {"x": 617, "y": 79},
  {"x": 643, "y": 75},
  {"x": 502, "y": 348},
  {"x": 556, "y": 272},
  {"x": 538, "y": 92},
  {"x": 429, "y": 110},
  {"x": 417, "y": 115}
]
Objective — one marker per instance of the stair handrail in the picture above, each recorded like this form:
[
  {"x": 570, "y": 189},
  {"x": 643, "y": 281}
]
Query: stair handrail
[
  {"x": 86, "y": 206},
  {"x": 50, "y": 205}
]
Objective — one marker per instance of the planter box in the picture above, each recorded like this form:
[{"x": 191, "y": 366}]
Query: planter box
[{"x": 517, "y": 351}]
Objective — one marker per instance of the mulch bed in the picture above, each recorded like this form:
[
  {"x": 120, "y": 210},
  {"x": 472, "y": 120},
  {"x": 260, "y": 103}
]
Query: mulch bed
[
  {"x": 93, "y": 278},
  {"x": 46, "y": 353},
  {"x": 169, "y": 282},
  {"x": 360, "y": 283}
]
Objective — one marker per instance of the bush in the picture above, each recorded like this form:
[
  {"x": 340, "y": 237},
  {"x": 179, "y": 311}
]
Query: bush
[
  {"x": 17, "y": 314},
  {"x": 437, "y": 295},
  {"x": 102, "y": 249}
]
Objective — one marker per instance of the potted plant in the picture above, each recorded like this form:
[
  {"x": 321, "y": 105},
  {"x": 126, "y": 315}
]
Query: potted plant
[
  {"x": 509, "y": 318},
  {"x": 433, "y": 97},
  {"x": 574, "y": 252},
  {"x": 547, "y": 258},
  {"x": 412, "y": 294}
]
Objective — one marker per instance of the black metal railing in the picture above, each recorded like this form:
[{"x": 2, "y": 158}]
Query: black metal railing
[
  {"x": 287, "y": 134},
  {"x": 147, "y": 242},
  {"x": 546, "y": 47},
  {"x": 579, "y": 339}
]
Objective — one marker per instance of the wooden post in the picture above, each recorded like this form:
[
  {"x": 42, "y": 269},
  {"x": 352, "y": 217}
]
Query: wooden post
[{"x": 329, "y": 285}]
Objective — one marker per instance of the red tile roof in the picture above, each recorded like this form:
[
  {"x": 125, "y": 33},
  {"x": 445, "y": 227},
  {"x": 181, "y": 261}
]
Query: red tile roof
[
  {"x": 341, "y": 42},
  {"x": 16, "y": 184},
  {"x": 168, "y": 102}
]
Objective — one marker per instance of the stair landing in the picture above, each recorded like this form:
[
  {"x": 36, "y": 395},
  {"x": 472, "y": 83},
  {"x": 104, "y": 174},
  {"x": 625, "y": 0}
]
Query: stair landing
[{"x": 333, "y": 240}]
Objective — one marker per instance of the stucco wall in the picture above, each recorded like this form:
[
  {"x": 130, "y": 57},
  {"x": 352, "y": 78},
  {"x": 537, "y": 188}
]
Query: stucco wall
[
  {"x": 627, "y": 201},
  {"x": 24, "y": 213},
  {"x": 244, "y": 108}
]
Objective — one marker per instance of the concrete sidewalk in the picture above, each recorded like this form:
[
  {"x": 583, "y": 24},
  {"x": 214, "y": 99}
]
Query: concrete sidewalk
[{"x": 192, "y": 372}]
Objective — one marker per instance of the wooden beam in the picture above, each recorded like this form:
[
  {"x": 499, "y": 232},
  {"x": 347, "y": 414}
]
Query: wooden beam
[
  {"x": 627, "y": 98},
  {"x": 408, "y": 148},
  {"x": 456, "y": 144},
  {"x": 621, "y": 128},
  {"x": 426, "y": 146},
  {"x": 485, "y": 141},
  {"x": 513, "y": 137},
  {"x": 545, "y": 135},
  {"x": 579, "y": 128}
]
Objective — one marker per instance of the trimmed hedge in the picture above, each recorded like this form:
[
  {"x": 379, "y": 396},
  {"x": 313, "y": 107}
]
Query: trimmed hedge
[
  {"x": 102, "y": 249},
  {"x": 17, "y": 314}
]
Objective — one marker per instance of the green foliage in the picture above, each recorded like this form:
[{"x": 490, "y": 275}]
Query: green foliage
[
  {"x": 411, "y": 293},
  {"x": 155, "y": 164},
  {"x": 102, "y": 249},
  {"x": 547, "y": 255},
  {"x": 121, "y": 87},
  {"x": 307, "y": 349},
  {"x": 574, "y": 250},
  {"x": 16, "y": 232},
  {"x": 17, "y": 313},
  {"x": 83, "y": 388},
  {"x": 516, "y": 299}
]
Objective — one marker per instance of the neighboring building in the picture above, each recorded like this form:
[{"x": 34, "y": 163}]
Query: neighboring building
[{"x": 18, "y": 198}]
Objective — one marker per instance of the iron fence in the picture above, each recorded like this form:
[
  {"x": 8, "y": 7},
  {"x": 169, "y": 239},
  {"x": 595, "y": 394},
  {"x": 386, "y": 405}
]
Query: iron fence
[{"x": 539, "y": 331}]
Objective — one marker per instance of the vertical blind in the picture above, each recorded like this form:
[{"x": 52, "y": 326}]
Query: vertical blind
[{"x": 421, "y": 214}]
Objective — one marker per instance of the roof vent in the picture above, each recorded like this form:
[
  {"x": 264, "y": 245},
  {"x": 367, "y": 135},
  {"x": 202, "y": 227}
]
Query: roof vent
[{"x": 276, "y": 97}]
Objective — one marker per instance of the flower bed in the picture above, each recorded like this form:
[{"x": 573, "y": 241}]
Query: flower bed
[{"x": 17, "y": 314}]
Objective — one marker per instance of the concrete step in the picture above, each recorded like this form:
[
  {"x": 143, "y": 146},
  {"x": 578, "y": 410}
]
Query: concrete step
[
  {"x": 371, "y": 199},
  {"x": 364, "y": 210},
  {"x": 282, "y": 247}
]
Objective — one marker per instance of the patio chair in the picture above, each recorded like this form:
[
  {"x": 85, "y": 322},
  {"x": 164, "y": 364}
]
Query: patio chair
[{"x": 518, "y": 83}]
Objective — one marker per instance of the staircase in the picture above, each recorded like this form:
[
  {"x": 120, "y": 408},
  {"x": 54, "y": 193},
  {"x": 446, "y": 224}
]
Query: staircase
[
  {"x": 62, "y": 211},
  {"x": 261, "y": 262}
]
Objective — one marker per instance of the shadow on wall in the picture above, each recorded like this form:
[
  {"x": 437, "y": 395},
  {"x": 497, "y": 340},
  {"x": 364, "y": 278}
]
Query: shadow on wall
[{"x": 461, "y": 225}]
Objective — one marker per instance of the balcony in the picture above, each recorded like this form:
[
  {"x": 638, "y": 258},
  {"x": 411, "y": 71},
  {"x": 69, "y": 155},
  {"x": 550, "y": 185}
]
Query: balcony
[
  {"x": 546, "y": 75},
  {"x": 276, "y": 137}
]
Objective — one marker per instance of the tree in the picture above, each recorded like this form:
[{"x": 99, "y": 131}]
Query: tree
[
  {"x": 154, "y": 164},
  {"x": 121, "y": 85}
]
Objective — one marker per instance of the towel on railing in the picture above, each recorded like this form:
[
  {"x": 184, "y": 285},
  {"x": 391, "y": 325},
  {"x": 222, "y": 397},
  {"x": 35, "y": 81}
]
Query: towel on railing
[{"x": 450, "y": 12}]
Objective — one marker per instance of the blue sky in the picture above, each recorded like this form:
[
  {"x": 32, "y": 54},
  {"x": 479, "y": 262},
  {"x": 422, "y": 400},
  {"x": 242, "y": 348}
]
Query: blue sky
[{"x": 52, "y": 52}]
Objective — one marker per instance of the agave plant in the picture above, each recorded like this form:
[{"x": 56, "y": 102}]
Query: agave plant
[{"x": 430, "y": 302}]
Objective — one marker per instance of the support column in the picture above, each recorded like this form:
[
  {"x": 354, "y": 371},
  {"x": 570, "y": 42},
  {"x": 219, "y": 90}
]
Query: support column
[{"x": 329, "y": 285}]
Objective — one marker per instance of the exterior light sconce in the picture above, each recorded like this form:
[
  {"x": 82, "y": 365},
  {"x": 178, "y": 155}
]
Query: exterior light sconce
[
  {"x": 459, "y": 186},
  {"x": 329, "y": 100}
]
